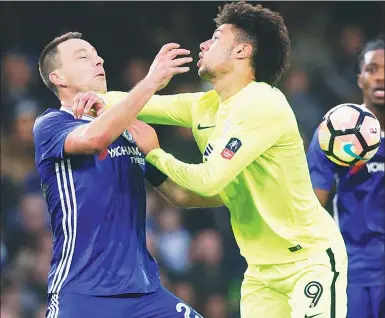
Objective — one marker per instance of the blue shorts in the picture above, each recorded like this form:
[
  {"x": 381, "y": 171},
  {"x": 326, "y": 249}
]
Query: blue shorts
[
  {"x": 366, "y": 302},
  {"x": 160, "y": 304}
]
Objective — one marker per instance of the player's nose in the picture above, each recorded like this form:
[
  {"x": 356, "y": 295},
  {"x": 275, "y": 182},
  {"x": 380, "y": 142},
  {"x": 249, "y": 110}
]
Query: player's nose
[
  {"x": 204, "y": 46},
  {"x": 99, "y": 61},
  {"x": 378, "y": 82},
  {"x": 380, "y": 77}
]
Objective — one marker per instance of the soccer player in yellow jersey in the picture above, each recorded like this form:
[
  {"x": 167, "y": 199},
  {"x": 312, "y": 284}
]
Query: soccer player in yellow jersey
[{"x": 254, "y": 163}]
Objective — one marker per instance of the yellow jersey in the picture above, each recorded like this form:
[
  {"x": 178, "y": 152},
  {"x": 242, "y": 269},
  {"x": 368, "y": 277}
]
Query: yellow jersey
[{"x": 253, "y": 157}]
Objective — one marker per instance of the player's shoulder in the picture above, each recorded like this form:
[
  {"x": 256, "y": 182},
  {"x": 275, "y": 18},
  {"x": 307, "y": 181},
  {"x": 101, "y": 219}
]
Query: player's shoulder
[
  {"x": 262, "y": 100},
  {"x": 50, "y": 117},
  {"x": 208, "y": 97},
  {"x": 262, "y": 90},
  {"x": 263, "y": 95},
  {"x": 205, "y": 100}
]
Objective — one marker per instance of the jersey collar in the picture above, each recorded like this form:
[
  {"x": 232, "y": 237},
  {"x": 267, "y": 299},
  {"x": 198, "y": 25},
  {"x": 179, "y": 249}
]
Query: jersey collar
[{"x": 84, "y": 117}]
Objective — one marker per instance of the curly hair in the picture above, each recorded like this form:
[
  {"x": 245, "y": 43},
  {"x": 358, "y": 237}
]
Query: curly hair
[{"x": 266, "y": 31}]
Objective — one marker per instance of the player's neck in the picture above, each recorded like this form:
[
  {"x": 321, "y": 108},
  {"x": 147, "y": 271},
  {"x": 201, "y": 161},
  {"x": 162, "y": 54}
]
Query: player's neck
[
  {"x": 67, "y": 101},
  {"x": 230, "y": 84},
  {"x": 379, "y": 112}
]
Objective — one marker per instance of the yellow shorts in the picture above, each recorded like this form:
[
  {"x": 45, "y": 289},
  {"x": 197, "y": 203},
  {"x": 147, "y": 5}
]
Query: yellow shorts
[{"x": 314, "y": 287}]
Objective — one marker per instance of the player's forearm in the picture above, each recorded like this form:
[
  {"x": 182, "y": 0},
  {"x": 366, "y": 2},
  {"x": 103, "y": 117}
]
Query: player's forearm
[
  {"x": 110, "y": 125},
  {"x": 172, "y": 110},
  {"x": 203, "y": 179},
  {"x": 184, "y": 198}
]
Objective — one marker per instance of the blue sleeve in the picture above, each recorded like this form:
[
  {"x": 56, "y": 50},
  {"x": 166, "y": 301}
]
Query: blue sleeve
[
  {"x": 321, "y": 168},
  {"x": 50, "y": 132}
]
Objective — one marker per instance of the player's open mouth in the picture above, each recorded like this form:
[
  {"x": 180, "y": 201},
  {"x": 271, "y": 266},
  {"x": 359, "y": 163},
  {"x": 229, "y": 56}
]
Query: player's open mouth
[
  {"x": 379, "y": 92},
  {"x": 200, "y": 59}
]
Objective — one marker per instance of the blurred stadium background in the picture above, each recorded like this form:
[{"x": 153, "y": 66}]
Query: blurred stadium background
[{"x": 199, "y": 259}]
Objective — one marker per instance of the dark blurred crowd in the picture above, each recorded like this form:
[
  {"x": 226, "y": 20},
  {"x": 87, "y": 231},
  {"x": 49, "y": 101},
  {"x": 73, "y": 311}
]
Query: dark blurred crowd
[{"x": 195, "y": 249}]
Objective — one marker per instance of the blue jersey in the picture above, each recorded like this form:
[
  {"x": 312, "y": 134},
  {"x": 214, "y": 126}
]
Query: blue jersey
[
  {"x": 359, "y": 209},
  {"x": 97, "y": 205}
]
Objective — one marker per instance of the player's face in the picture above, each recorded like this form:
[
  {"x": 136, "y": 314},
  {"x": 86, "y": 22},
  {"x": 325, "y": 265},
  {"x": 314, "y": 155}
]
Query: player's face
[
  {"x": 215, "y": 56},
  {"x": 81, "y": 67},
  {"x": 371, "y": 79}
]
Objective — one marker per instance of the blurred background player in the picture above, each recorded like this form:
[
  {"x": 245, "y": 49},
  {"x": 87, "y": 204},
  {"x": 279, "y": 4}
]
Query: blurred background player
[
  {"x": 254, "y": 160},
  {"x": 92, "y": 176},
  {"x": 359, "y": 202}
]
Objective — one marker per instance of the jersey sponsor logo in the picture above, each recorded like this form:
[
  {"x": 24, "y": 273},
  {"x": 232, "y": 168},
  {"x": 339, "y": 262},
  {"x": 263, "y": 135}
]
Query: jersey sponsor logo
[
  {"x": 231, "y": 148},
  {"x": 118, "y": 151},
  {"x": 374, "y": 167},
  {"x": 123, "y": 151},
  {"x": 204, "y": 127},
  {"x": 348, "y": 149}
]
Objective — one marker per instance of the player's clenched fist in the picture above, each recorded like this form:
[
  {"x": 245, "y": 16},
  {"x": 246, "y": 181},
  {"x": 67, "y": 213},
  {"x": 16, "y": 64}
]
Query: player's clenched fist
[
  {"x": 167, "y": 64},
  {"x": 144, "y": 135}
]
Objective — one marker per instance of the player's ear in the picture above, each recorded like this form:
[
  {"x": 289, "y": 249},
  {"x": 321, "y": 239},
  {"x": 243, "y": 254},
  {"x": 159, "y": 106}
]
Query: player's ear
[
  {"x": 243, "y": 50},
  {"x": 56, "y": 78}
]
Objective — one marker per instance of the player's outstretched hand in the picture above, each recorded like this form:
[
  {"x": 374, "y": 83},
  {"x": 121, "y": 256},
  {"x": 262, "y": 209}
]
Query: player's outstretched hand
[
  {"x": 167, "y": 64},
  {"x": 84, "y": 102},
  {"x": 144, "y": 135}
]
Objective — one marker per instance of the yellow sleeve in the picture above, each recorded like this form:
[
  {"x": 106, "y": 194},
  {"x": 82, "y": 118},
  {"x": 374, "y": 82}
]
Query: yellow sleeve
[
  {"x": 253, "y": 130},
  {"x": 161, "y": 109}
]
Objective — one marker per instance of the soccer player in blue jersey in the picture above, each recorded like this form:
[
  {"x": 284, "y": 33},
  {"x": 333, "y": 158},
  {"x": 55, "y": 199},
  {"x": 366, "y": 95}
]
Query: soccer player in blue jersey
[
  {"x": 92, "y": 176},
  {"x": 359, "y": 203}
]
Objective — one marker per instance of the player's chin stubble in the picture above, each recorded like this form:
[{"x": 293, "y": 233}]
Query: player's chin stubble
[
  {"x": 206, "y": 74},
  {"x": 100, "y": 88}
]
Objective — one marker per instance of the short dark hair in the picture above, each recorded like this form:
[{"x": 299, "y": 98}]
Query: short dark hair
[
  {"x": 266, "y": 31},
  {"x": 376, "y": 44},
  {"x": 48, "y": 60}
]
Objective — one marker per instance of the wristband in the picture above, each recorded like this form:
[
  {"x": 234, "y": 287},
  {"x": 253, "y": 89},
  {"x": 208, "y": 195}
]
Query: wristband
[{"x": 154, "y": 176}]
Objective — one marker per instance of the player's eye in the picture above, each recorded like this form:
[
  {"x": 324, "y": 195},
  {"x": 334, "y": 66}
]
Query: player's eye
[
  {"x": 216, "y": 37},
  {"x": 371, "y": 69},
  {"x": 82, "y": 57}
]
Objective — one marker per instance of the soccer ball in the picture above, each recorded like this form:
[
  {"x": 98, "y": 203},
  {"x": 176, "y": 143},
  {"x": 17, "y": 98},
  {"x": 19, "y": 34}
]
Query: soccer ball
[{"x": 349, "y": 134}]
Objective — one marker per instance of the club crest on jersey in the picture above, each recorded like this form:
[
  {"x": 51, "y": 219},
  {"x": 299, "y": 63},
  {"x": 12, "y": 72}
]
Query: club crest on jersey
[
  {"x": 126, "y": 135},
  {"x": 231, "y": 148}
]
